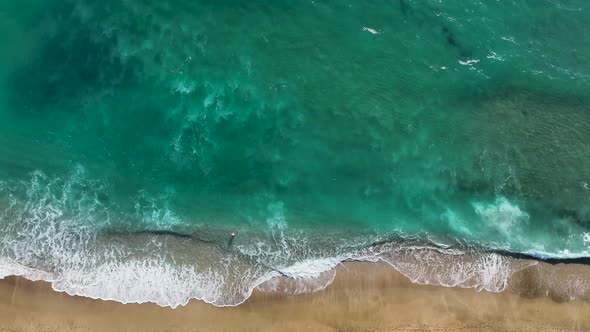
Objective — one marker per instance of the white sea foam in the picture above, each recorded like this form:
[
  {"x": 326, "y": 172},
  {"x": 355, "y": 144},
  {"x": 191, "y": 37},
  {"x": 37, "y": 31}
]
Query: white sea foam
[
  {"x": 9, "y": 267},
  {"x": 307, "y": 276},
  {"x": 40, "y": 241},
  {"x": 468, "y": 62},
  {"x": 453, "y": 268},
  {"x": 501, "y": 215},
  {"x": 144, "y": 280},
  {"x": 184, "y": 87},
  {"x": 167, "y": 283},
  {"x": 372, "y": 31}
]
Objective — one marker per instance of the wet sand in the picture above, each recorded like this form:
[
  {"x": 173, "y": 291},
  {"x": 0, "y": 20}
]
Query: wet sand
[{"x": 363, "y": 297}]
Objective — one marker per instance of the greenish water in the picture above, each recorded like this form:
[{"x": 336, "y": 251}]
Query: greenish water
[{"x": 142, "y": 132}]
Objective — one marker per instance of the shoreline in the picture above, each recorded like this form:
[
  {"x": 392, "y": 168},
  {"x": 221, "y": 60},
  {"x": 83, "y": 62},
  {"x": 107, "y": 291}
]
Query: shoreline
[{"x": 364, "y": 296}]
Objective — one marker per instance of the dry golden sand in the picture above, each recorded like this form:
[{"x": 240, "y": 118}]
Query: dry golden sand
[{"x": 364, "y": 297}]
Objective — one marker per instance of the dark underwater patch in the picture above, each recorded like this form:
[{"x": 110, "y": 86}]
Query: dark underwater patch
[
  {"x": 75, "y": 60},
  {"x": 424, "y": 15}
]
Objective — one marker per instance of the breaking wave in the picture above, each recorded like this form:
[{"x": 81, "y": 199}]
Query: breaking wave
[{"x": 63, "y": 232}]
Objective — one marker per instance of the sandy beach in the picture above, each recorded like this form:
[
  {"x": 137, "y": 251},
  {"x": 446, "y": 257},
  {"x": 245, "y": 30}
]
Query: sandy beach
[{"x": 363, "y": 297}]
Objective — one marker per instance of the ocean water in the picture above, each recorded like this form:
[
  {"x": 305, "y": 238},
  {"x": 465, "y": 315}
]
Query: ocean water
[{"x": 445, "y": 138}]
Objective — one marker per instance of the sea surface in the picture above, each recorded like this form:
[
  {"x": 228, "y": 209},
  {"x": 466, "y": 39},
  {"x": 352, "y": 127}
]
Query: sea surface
[{"x": 447, "y": 138}]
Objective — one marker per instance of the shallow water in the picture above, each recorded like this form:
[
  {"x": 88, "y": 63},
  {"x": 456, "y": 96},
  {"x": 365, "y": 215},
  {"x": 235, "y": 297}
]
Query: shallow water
[{"x": 135, "y": 135}]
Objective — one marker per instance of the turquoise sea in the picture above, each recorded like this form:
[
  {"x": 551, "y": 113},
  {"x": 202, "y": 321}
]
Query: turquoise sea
[{"x": 136, "y": 135}]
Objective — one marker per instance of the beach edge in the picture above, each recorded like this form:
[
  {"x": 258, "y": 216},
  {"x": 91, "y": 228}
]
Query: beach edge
[{"x": 363, "y": 296}]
